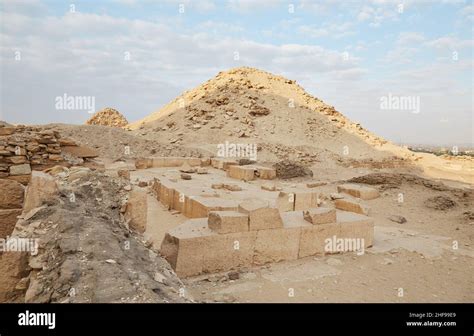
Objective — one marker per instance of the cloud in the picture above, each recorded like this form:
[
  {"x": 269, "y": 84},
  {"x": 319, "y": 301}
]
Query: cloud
[
  {"x": 333, "y": 30},
  {"x": 62, "y": 57},
  {"x": 450, "y": 43}
]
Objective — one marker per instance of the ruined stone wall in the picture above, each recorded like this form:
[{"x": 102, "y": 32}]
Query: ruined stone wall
[{"x": 26, "y": 148}]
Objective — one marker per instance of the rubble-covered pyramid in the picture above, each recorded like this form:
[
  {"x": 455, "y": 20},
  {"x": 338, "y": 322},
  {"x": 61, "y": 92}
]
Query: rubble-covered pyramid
[{"x": 108, "y": 117}]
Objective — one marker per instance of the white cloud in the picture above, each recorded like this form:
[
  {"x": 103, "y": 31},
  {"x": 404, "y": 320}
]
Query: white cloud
[
  {"x": 333, "y": 30},
  {"x": 450, "y": 43}
]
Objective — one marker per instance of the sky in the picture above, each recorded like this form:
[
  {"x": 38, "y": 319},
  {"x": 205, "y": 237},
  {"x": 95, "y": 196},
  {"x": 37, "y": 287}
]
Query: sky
[{"x": 363, "y": 57}]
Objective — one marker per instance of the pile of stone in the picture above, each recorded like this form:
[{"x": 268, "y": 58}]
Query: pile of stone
[{"x": 108, "y": 117}]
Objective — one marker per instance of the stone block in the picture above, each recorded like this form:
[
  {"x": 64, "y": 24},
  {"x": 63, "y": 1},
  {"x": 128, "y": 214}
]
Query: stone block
[
  {"x": 266, "y": 173},
  {"x": 137, "y": 209},
  {"x": 192, "y": 248},
  {"x": 12, "y": 194},
  {"x": 313, "y": 238},
  {"x": 306, "y": 199},
  {"x": 221, "y": 163},
  {"x": 285, "y": 201},
  {"x": 317, "y": 216},
  {"x": 352, "y": 206},
  {"x": 261, "y": 215},
  {"x": 245, "y": 173},
  {"x": 274, "y": 245},
  {"x": 228, "y": 221},
  {"x": 362, "y": 192},
  {"x": 80, "y": 151},
  {"x": 143, "y": 163},
  {"x": 356, "y": 226},
  {"x": 22, "y": 169},
  {"x": 200, "y": 206},
  {"x": 42, "y": 187}
]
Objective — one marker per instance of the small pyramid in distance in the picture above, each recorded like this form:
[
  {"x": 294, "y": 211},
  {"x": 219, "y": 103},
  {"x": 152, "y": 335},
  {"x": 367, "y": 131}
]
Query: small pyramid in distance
[{"x": 108, "y": 117}]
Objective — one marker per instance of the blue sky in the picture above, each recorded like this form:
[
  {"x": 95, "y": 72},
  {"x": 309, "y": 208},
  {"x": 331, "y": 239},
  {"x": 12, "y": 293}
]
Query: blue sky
[{"x": 348, "y": 53}]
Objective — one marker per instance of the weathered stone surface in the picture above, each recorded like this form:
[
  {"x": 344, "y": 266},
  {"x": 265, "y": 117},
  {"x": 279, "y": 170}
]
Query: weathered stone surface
[
  {"x": 320, "y": 215},
  {"x": 124, "y": 173},
  {"x": 143, "y": 163},
  {"x": 192, "y": 248},
  {"x": 200, "y": 206},
  {"x": 274, "y": 245},
  {"x": 42, "y": 187},
  {"x": 13, "y": 267},
  {"x": 80, "y": 151},
  {"x": 261, "y": 215},
  {"x": 285, "y": 201},
  {"x": 313, "y": 238},
  {"x": 228, "y": 221},
  {"x": 22, "y": 169},
  {"x": 67, "y": 142},
  {"x": 23, "y": 179},
  {"x": 8, "y": 219},
  {"x": 266, "y": 173},
  {"x": 221, "y": 163},
  {"x": 7, "y": 130},
  {"x": 352, "y": 206},
  {"x": 137, "y": 209},
  {"x": 356, "y": 226},
  {"x": 362, "y": 192},
  {"x": 245, "y": 173},
  {"x": 306, "y": 199},
  {"x": 12, "y": 194}
]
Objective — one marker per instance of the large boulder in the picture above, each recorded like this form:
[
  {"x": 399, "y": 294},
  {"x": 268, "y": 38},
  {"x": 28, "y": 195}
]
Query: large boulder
[{"x": 42, "y": 187}]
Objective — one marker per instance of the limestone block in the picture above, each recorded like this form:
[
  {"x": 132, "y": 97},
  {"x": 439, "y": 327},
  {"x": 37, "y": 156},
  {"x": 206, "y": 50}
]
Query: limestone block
[
  {"x": 306, "y": 199},
  {"x": 42, "y": 187},
  {"x": 143, "y": 163},
  {"x": 356, "y": 226},
  {"x": 221, "y": 163},
  {"x": 137, "y": 209},
  {"x": 352, "y": 206},
  {"x": 245, "y": 173},
  {"x": 266, "y": 173},
  {"x": 285, "y": 201},
  {"x": 200, "y": 206},
  {"x": 192, "y": 248},
  {"x": 21, "y": 169},
  {"x": 261, "y": 215},
  {"x": 313, "y": 238},
  {"x": 274, "y": 245},
  {"x": 321, "y": 215},
  {"x": 80, "y": 151},
  {"x": 228, "y": 221},
  {"x": 362, "y": 192}
]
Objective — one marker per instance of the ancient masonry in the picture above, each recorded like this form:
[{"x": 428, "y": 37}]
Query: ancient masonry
[
  {"x": 235, "y": 224},
  {"x": 25, "y": 150}
]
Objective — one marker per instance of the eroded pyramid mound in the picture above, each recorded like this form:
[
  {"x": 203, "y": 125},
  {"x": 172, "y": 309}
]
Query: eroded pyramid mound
[
  {"x": 108, "y": 117},
  {"x": 250, "y": 105}
]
